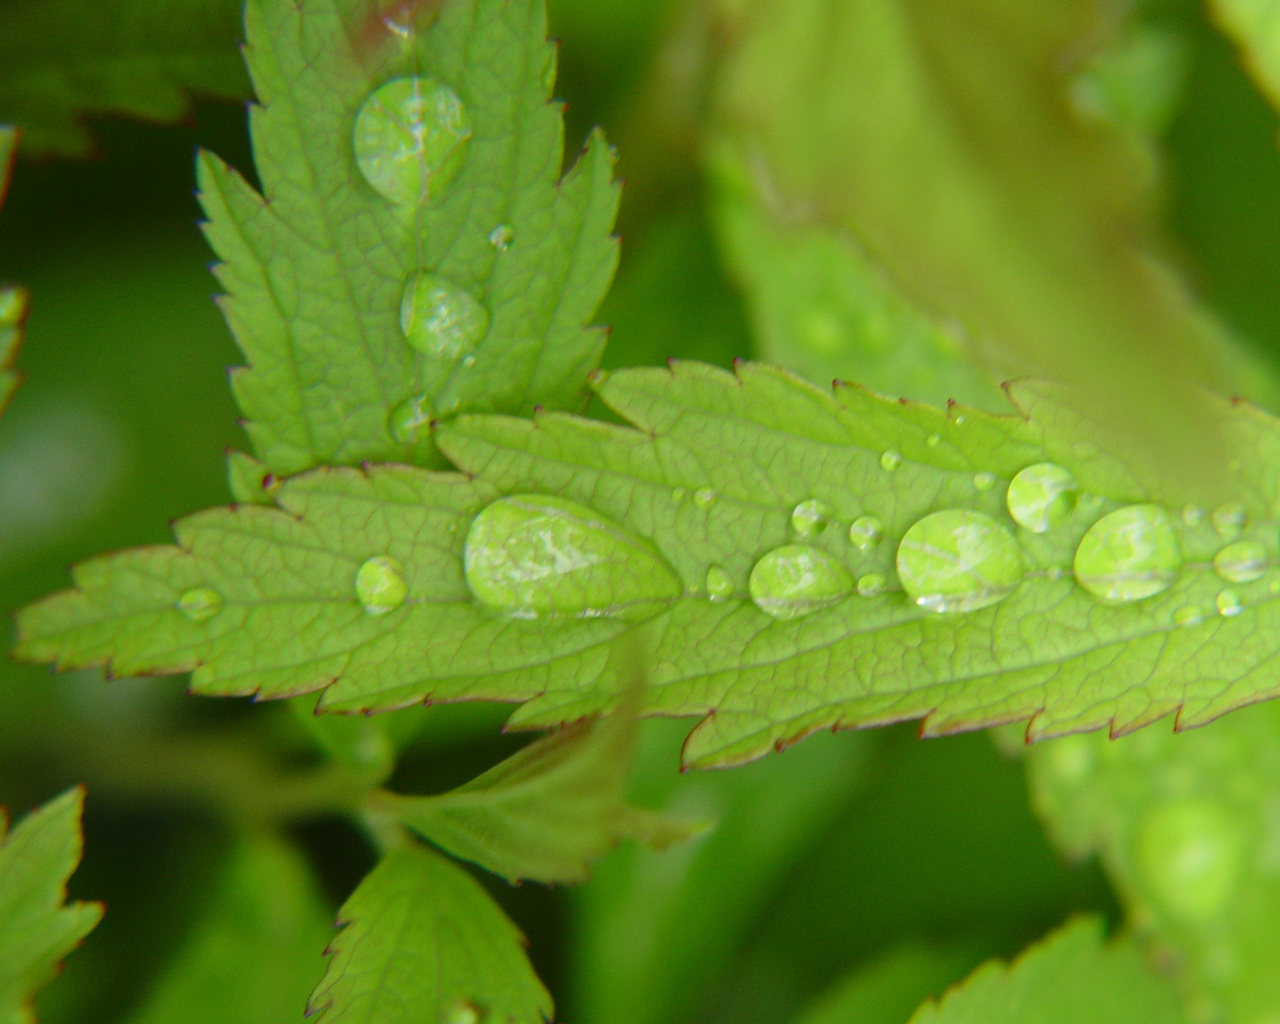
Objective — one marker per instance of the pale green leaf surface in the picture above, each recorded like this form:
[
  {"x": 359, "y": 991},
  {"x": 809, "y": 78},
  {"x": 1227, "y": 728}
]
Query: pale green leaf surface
[
  {"x": 888, "y": 990},
  {"x": 421, "y": 941},
  {"x": 63, "y": 59},
  {"x": 757, "y": 442},
  {"x": 1187, "y": 827},
  {"x": 1072, "y": 977},
  {"x": 549, "y": 810},
  {"x": 37, "y": 927},
  {"x": 256, "y": 955},
  {"x": 316, "y": 266},
  {"x": 1254, "y": 25}
]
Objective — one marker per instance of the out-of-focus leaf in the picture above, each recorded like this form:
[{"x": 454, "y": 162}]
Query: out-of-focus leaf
[
  {"x": 423, "y": 942},
  {"x": 37, "y": 927},
  {"x": 257, "y": 954},
  {"x": 889, "y": 990},
  {"x": 1255, "y": 27},
  {"x": 13, "y": 301},
  {"x": 63, "y": 59}
]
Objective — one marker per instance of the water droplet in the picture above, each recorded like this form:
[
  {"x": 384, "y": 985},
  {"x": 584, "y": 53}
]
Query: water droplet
[
  {"x": 866, "y": 532},
  {"x": 958, "y": 560},
  {"x": 719, "y": 585},
  {"x": 1188, "y": 616},
  {"x": 533, "y": 556},
  {"x": 409, "y": 418},
  {"x": 1041, "y": 497},
  {"x": 380, "y": 585},
  {"x": 411, "y": 139},
  {"x": 678, "y": 495},
  {"x": 984, "y": 481},
  {"x": 1129, "y": 555},
  {"x": 1192, "y": 515},
  {"x": 704, "y": 497},
  {"x": 1191, "y": 855},
  {"x": 440, "y": 319},
  {"x": 1229, "y": 604},
  {"x": 13, "y": 305},
  {"x": 1241, "y": 562},
  {"x": 463, "y": 1011},
  {"x": 959, "y": 420},
  {"x": 200, "y": 604},
  {"x": 810, "y": 517},
  {"x": 795, "y": 580},
  {"x": 890, "y": 460},
  {"x": 502, "y": 236},
  {"x": 1230, "y": 519},
  {"x": 871, "y": 584},
  {"x": 933, "y": 440}
]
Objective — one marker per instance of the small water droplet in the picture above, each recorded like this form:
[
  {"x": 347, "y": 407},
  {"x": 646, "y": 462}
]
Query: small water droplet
[
  {"x": 469, "y": 361},
  {"x": 795, "y": 580},
  {"x": 1241, "y": 562},
  {"x": 719, "y": 585},
  {"x": 1191, "y": 854},
  {"x": 1057, "y": 572},
  {"x": 440, "y": 319},
  {"x": 959, "y": 420},
  {"x": 535, "y": 556},
  {"x": 1188, "y": 616},
  {"x": 1041, "y": 497},
  {"x": 810, "y": 517},
  {"x": 13, "y": 305},
  {"x": 958, "y": 560},
  {"x": 1129, "y": 555},
  {"x": 1230, "y": 519},
  {"x": 411, "y": 139},
  {"x": 984, "y": 481},
  {"x": 704, "y": 497},
  {"x": 933, "y": 440},
  {"x": 1193, "y": 515},
  {"x": 890, "y": 460},
  {"x": 462, "y": 1011},
  {"x": 200, "y": 604},
  {"x": 1229, "y": 604},
  {"x": 502, "y": 236},
  {"x": 678, "y": 495},
  {"x": 409, "y": 418},
  {"x": 866, "y": 532},
  {"x": 380, "y": 585},
  {"x": 871, "y": 584}
]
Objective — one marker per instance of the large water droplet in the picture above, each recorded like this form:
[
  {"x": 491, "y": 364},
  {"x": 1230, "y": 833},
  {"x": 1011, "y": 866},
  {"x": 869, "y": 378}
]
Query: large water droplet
[
  {"x": 797, "y": 579},
  {"x": 958, "y": 560},
  {"x": 704, "y": 497},
  {"x": 890, "y": 460},
  {"x": 866, "y": 532},
  {"x": 380, "y": 585},
  {"x": 810, "y": 517},
  {"x": 1229, "y": 604},
  {"x": 719, "y": 585},
  {"x": 411, "y": 139},
  {"x": 1190, "y": 853},
  {"x": 441, "y": 319},
  {"x": 1241, "y": 562},
  {"x": 533, "y": 555},
  {"x": 408, "y": 419},
  {"x": 502, "y": 236},
  {"x": 200, "y": 604},
  {"x": 1041, "y": 497},
  {"x": 1128, "y": 555},
  {"x": 1230, "y": 519}
]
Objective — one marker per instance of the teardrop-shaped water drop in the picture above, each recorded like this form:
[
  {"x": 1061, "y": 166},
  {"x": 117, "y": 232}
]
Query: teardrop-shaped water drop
[
  {"x": 1229, "y": 604},
  {"x": 866, "y": 532},
  {"x": 719, "y": 585},
  {"x": 871, "y": 584},
  {"x": 200, "y": 604},
  {"x": 796, "y": 580},
  {"x": 1241, "y": 562},
  {"x": 890, "y": 460},
  {"x": 1230, "y": 520},
  {"x": 535, "y": 556},
  {"x": 410, "y": 418},
  {"x": 441, "y": 319},
  {"x": 810, "y": 517},
  {"x": 1041, "y": 497},
  {"x": 380, "y": 585},
  {"x": 502, "y": 236},
  {"x": 959, "y": 560},
  {"x": 1129, "y": 555},
  {"x": 704, "y": 497},
  {"x": 411, "y": 139}
]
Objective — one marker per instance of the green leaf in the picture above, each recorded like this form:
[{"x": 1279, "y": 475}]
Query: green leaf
[
  {"x": 256, "y": 955},
  {"x": 887, "y": 990},
  {"x": 1071, "y": 976},
  {"x": 13, "y": 301},
  {"x": 63, "y": 59},
  {"x": 549, "y": 810},
  {"x": 317, "y": 266},
  {"x": 1254, "y": 25},
  {"x": 37, "y": 927},
  {"x": 1186, "y": 827},
  {"x": 718, "y": 474},
  {"x": 424, "y": 942}
]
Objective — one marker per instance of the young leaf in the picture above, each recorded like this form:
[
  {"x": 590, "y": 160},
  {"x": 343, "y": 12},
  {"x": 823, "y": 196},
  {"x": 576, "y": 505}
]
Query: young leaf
[
  {"x": 359, "y": 584},
  {"x": 256, "y": 955},
  {"x": 37, "y": 928},
  {"x": 63, "y": 59},
  {"x": 549, "y": 810},
  {"x": 1253, "y": 25},
  {"x": 372, "y": 289},
  {"x": 887, "y": 990},
  {"x": 1071, "y": 976},
  {"x": 422, "y": 941},
  {"x": 1186, "y": 826},
  {"x": 13, "y": 301}
]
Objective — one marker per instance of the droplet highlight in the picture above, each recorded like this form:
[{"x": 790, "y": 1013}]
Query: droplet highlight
[
  {"x": 538, "y": 556},
  {"x": 1129, "y": 555},
  {"x": 810, "y": 517},
  {"x": 1041, "y": 497},
  {"x": 719, "y": 585},
  {"x": 1230, "y": 520},
  {"x": 1229, "y": 604},
  {"x": 959, "y": 560},
  {"x": 411, "y": 138},
  {"x": 1241, "y": 562},
  {"x": 797, "y": 580},
  {"x": 866, "y": 532},
  {"x": 380, "y": 585},
  {"x": 410, "y": 418},
  {"x": 890, "y": 461},
  {"x": 200, "y": 604},
  {"x": 441, "y": 319},
  {"x": 502, "y": 236}
]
